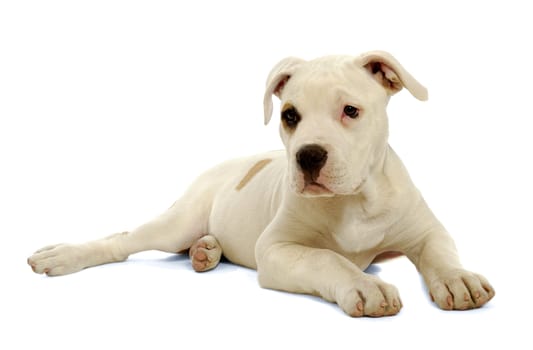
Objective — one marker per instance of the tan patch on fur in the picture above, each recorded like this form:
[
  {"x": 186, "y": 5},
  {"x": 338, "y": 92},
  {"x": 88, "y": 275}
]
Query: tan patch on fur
[
  {"x": 286, "y": 106},
  {"x": 252, "y": 172}
]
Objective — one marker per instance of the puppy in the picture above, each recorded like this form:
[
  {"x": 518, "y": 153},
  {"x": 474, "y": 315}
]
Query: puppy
[{"x": 313, "y": 217}]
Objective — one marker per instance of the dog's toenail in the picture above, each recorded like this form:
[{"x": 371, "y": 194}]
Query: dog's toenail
[
  {"x": 360, "y": 305},
  {"x": 449, "y": 301}
]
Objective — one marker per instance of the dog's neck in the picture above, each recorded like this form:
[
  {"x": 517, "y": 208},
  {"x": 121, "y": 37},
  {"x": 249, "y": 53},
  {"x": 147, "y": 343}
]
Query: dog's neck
[{"x": 385, "y": 192}]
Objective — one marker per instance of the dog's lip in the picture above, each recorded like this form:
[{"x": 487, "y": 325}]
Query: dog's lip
[{"x": 315, "y": 188}]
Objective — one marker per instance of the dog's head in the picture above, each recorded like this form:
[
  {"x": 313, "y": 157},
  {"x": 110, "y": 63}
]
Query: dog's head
[{"x": 333, "y": 117}]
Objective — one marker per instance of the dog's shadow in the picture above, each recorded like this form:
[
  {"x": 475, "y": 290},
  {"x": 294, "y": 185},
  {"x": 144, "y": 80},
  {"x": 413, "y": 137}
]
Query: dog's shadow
[
  {"x": 373, "y": 269},
  {"x": 178, "y": 262},
  {"x": 181, "y": 262}
]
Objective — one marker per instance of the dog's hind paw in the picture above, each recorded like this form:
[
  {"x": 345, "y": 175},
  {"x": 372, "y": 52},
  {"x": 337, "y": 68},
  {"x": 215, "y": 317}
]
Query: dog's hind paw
[
  {"x": 55, "y": 260},
  {"x": 205, "y": 253}
]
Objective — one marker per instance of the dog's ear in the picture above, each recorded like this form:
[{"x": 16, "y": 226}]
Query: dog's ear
[
  {"x": 278, "y": 77},
  {"x": 387, "y": 71}
]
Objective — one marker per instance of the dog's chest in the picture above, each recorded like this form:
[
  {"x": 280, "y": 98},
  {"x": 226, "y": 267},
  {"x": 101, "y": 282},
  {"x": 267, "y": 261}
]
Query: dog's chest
[{"x": 355, "y": 234}]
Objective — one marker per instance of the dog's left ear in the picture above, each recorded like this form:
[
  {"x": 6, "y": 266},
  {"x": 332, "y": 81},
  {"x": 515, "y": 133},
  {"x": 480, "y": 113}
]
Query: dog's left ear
[
  {"x": 278, "y": 77},
  {"x": 387, "y": 71}
]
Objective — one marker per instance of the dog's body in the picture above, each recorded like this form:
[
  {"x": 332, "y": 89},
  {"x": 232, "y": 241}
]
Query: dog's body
[{"x": 312, "y": 218}]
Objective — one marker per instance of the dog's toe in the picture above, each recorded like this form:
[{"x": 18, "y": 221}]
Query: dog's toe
[
  {"x": 205, "y": 254},
  {"x": 56, "y": 260}
]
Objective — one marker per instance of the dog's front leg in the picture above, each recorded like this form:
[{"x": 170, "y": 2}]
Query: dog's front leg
[
  {"x": 298, "y": 268},
  {"x": 450, "y": 285}
]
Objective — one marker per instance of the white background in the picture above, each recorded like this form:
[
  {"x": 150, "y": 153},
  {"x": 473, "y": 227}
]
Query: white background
[{"x": 108, "y": 109}]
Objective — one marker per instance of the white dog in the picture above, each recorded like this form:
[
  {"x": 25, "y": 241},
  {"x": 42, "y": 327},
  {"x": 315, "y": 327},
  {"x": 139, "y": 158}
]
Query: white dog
[{"x": 311, "y": 218}]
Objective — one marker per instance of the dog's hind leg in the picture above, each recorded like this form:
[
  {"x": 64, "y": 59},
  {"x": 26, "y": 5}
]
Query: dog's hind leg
[{"x": 176, "y": 230}]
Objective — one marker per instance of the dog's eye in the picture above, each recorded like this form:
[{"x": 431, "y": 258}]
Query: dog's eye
[
  {"x": 290, "y": 117},
  {"x": 351, "y": 111}
]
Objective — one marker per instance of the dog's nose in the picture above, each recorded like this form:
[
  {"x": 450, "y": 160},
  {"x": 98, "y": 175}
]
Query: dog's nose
[{"x": 311, "y": 159}]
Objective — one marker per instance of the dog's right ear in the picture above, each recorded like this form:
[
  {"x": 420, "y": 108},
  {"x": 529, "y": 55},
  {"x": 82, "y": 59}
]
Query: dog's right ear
[
  {"x": 278, "y": 77},
  {"x": 387, "y": 71}
]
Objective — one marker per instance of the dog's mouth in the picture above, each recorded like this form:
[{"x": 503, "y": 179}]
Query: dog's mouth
[
  {"x": 313, "y": 188},
  {"x": 317, "y": 188}
]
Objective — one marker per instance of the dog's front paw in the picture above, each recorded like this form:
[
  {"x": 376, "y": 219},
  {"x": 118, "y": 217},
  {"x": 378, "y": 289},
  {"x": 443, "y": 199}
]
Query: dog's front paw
[
  {"x": 460, "y": 290},
  {"x": 59, "y": 259},
  {"x": 369, "y": 296}
]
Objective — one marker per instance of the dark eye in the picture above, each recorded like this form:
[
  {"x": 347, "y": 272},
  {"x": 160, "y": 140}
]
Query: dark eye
[
  {"x": 351, "y": 111},
  {"x": 290, "y": 117}
]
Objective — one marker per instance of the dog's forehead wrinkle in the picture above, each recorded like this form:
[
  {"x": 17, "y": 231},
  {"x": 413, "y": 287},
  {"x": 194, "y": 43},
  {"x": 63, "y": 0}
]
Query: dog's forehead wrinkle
[{"x": 320, "y": 87}]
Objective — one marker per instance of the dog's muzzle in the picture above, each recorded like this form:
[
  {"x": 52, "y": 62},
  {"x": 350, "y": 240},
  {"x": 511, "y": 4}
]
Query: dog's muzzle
[{"x": 311, "y": 159}]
